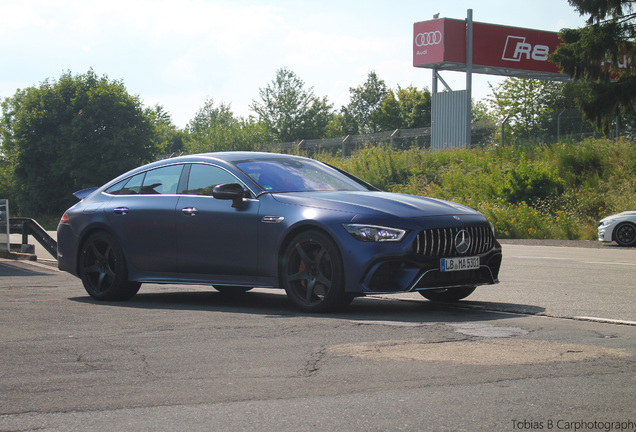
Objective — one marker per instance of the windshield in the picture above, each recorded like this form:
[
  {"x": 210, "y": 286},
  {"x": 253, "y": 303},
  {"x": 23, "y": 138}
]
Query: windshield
[{"x": 297, "y": 175}]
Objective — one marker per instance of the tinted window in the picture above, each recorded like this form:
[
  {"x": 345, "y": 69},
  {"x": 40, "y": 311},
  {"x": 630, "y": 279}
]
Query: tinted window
[
  {"x": 203, "y": 178},
  {"x": 133, "y": 186},
  {"x": 296, "y": 175},
  {"x": 158, "y": 181},
  {"x": 130, "y": 186},
  {"x": 161, "y": 180}
]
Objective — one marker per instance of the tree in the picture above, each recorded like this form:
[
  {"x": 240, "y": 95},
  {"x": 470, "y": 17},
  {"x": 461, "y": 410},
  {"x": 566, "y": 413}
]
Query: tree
[
  {"x": 407, "y": 108},
  {"x": 215, "y": 128},
  {"x": 601, "y": 57},
  {"x": 365, "y": 101},
  {"x": 290, "y": 112},
  {"x": 484, "y": 124},
  {"x": 65, "y": 135},
  {"x": 533, "y": 108},
  {"x": 526, "y": 103},
  {"x": 167, "y": 138}
]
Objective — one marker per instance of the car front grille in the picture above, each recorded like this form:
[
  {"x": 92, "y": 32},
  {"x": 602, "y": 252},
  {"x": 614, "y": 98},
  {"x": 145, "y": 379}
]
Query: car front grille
[{"x": 440, "y": 242}]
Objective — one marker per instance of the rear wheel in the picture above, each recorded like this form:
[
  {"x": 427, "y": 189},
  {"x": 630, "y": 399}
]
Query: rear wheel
[
  {"x": 448, "y": 295},
  {"x": 103, "y": 270},
  {"x": 312, "y": 273},
  {"x": 625, "y": 234}
]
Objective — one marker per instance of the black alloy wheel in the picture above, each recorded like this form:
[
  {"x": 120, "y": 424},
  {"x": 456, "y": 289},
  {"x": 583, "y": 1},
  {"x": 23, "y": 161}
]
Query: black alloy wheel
[
  {"x": 312, "y": 273},
  {"x": 448, "y": 295},
  {"x": 625, "y": 234},
  {"x": 102, "y": 268}
]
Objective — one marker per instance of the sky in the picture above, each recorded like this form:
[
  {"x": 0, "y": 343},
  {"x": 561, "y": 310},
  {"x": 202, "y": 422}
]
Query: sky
[{"x": 178, "y": 54}]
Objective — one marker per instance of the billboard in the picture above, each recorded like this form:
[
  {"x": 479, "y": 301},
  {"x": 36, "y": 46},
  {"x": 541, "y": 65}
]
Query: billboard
[{"x": 497, "y": 50}]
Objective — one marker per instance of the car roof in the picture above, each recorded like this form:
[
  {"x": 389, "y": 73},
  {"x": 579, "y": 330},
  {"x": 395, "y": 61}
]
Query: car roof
[
  {"x": 233, "y": 156},
  {"x": 220, "y": 157}
]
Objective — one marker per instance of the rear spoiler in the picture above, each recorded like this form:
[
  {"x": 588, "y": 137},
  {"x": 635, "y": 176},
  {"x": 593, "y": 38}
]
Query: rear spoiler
[{"x": 81, "y": 194}]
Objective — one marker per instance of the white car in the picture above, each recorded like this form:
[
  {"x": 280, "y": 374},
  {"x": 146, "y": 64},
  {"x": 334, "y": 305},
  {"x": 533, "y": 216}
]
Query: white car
[{"x": 620, "y": 228}]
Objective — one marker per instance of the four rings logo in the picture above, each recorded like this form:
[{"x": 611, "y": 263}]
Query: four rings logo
[{"x": 428, "y": 38}]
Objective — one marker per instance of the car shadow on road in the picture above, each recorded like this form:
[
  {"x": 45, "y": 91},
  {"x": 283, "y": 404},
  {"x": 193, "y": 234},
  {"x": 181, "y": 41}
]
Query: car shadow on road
[
  {"x": 274, "y": 303},
  {"x": 11, "y": 269}
]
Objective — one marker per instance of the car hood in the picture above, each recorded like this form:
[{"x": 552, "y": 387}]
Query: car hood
[
  {"x": 631, "y": 214},
  {"x": 375, "y": 203}
]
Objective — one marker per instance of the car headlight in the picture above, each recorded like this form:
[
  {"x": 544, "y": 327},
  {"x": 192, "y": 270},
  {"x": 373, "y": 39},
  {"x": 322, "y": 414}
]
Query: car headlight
[
  {"x": 604, "y": 223},
  {"x": 374, "y": 233}
]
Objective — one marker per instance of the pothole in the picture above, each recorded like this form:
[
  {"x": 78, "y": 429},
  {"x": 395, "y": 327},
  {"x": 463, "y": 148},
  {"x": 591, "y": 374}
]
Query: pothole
[
  {"x": 483, "y": 352},
  {"x": 488, "y": 330},
  {"x": 391, "y": 323}
]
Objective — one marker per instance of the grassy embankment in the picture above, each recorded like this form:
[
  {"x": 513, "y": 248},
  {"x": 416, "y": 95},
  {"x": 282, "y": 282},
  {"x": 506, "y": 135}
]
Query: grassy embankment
[{"x": 530, "y": 192}]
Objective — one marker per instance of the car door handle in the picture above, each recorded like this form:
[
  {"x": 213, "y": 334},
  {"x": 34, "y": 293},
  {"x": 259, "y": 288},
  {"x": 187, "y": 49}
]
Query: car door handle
[
  {"x": 120, "y": 210},
  {"x": 190, "y": 211}
]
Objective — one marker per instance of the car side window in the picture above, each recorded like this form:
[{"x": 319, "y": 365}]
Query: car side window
[
  {"x": 130, "y": 186},
  {"x": 203, "y": 178},
  {"x": 162, "y": 180}
]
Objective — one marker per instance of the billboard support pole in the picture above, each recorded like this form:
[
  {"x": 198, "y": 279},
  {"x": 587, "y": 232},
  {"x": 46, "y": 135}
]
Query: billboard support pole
[
  {"x": 469, "y": 74},
  {"x": 434, "y": 87}
]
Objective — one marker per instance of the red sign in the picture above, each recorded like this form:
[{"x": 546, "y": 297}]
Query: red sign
[{"x": 497, "y": 50}]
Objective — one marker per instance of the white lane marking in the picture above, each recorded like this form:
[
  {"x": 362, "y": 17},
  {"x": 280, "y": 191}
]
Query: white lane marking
[
  {"x": 610, "y": 263},
  {"x": 574, "y": 260},
  {"x": 605, "y": 320}
]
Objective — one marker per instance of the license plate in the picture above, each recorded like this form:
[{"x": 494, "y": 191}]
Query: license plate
[{"x": 459, "y": 264}]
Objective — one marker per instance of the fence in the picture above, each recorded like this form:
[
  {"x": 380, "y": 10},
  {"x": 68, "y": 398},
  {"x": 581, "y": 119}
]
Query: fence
[
  {"x": 399, "y": 139},
  {"x": 5, "y": 241},
  {"x": 483, "y": 134}
]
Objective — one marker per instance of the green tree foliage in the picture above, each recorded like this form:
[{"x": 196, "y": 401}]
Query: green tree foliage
[
  {"x": 168, "y": 139},
  {"x": 365, "y": 103},
  {"x": 406, "y": 108},
  {"x": 484, "y": 124},
  {"x": 289, "y": 111},
  {"x": 216, "y": 128},
  {"x": 527, "y": 103},
  {"x": 69, "y": 134},
  {"x": 602, "y": 57}
]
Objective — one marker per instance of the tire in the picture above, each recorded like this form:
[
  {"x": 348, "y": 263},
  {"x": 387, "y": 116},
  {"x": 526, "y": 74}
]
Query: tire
[
  {"x": 625, "y": 234},
  {"x": 229, "y": 289},
  {"x": 312, "y": 273},
  {"x": 448, "y": 295},
  {"x": 103, "y": 270}
]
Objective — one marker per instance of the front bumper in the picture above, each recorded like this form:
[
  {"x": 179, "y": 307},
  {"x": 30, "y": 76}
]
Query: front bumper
[
  {"x": 416, "y": 275},
  {"x": 605, "y": 230},
  {"x": 415, "y": 264}
]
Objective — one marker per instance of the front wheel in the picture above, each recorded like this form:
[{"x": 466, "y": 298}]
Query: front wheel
[
  {"x": 103, "y": 269},
  {"x": 448, "y": 295},
  {"x": 625, "y": 234},
  {"x": 312, "y": 273}
]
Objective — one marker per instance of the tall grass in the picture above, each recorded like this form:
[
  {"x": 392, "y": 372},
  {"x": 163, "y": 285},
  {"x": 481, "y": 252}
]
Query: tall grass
[{"x": 555, "y": 191}]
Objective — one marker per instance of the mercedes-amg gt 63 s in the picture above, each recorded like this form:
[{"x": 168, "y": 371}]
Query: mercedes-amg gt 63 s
[{"x": 239, "y": 220}]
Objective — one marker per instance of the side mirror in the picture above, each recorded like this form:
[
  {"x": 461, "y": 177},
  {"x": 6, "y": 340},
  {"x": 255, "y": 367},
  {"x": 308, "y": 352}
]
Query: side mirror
[{"x": 230, "y": 191}]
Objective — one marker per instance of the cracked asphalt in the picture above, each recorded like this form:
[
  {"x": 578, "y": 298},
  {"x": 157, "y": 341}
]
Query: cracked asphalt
[{"x": 553, "y": 343}]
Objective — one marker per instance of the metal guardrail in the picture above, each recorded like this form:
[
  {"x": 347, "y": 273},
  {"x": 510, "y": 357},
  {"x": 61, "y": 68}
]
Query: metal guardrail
[{"x": 29, "y": 227}]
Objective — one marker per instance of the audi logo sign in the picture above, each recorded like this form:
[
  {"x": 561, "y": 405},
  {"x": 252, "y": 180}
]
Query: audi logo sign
[
  {"x": 428, "y": 38},
  {"x": 497, "y": 49}
]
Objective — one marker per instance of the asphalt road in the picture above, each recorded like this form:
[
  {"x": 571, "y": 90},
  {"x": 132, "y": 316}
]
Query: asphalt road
[{"x": 552, "y": 347}]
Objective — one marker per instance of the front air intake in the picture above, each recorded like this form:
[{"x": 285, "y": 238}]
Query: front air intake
[{"x": 441, "y": 242}]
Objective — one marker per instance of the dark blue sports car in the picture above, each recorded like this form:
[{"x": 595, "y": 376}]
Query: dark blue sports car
[{"x": 239, "y": 220}]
